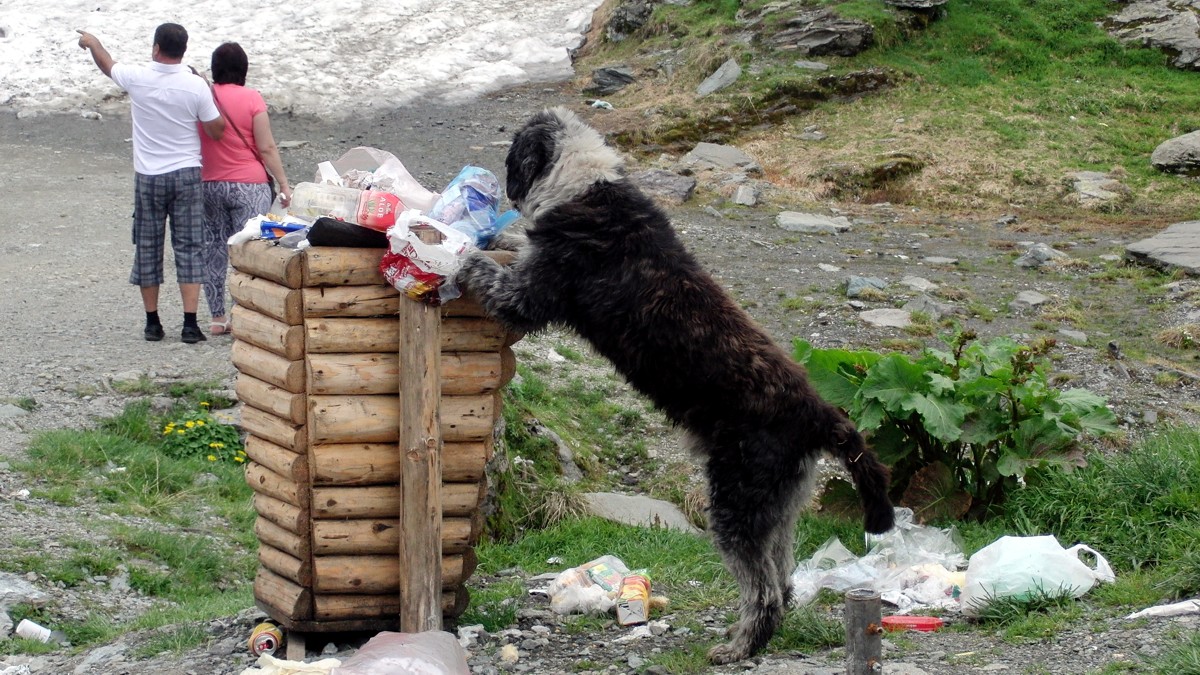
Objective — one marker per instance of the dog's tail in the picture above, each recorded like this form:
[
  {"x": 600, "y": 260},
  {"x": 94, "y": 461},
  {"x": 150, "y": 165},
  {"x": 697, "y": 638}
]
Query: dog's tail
[{"x": 871, "y": 478}]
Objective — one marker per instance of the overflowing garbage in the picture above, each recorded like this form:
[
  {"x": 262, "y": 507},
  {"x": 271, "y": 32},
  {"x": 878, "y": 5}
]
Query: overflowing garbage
[
  {"x": 917, "y": 568},
  {"x": 367, "y": 198}
]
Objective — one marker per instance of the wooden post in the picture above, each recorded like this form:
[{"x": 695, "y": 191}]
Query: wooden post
[
  {"x": 421, "y": 471},
  {"x": 864, "y": 624}
]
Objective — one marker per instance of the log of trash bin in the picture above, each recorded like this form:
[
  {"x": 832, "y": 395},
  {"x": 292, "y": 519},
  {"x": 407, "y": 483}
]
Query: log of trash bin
[
  {"x": 269, "y": 367},
  {"x": 370, "y": 536},
  {"x": 374, "y": 574},
  {"x": 316, "y": 336}
]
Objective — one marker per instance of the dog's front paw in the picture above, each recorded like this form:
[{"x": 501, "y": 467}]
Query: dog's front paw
[
  {"x": 729, "y": 652},
  {"x": 474, "y": 269}
]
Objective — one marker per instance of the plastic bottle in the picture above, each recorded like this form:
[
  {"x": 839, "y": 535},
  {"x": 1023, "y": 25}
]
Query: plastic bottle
[{"x": 314, "y": 200}]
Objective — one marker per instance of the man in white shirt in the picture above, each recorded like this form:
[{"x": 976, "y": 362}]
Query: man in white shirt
[{"x": 168, "y": 100}]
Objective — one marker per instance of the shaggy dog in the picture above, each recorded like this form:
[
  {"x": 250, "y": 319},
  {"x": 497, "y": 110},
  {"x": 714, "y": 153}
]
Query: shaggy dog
[{"x": 602, "y": 259}]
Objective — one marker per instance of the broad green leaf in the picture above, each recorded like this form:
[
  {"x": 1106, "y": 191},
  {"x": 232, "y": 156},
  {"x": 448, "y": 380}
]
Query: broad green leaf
[
  {"x": 981, "y": 386},
  {"x": 1080, "y": 401},
  {"x": 983, "y": 427},
  {"x": 869, "y": 414},
  {"x": 893, "y": 380},
  {"x": 891, "y": 444},
  {"x": 1040, "y": 437},
  {"x": 939, "y": 384},
  {"x": 1099, "y": 422},
  {"x": 1011, "y": 464},
  {"x": 801, "y": 350},
  {"x": 942, "y": 417}
]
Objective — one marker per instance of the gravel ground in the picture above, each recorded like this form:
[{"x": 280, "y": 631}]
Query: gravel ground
[{"x": 73, "y": 326}]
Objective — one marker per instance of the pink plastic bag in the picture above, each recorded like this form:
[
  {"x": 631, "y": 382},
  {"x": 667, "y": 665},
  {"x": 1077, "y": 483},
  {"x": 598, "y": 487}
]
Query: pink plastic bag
[{"x": 432, "y": 653}]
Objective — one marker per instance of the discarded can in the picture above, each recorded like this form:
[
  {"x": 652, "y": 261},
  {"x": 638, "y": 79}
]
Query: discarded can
[
  {"x": 32, "y": 631},
  {"x": 265, "y": 639}
]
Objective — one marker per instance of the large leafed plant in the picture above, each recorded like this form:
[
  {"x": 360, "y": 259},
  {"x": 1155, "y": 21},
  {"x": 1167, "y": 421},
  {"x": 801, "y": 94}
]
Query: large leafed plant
[{"x": 959, "y": 428}]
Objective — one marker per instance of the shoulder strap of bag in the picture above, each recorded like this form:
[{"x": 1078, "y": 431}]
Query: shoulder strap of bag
[{"x": 230, "y": 123}]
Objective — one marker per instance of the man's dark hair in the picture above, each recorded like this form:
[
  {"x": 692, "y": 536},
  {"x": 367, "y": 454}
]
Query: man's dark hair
[
  {"x": 171, "y": 39},
  {"x": 229, "y": 64}
]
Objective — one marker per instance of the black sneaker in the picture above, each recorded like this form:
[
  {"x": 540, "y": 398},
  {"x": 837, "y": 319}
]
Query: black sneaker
[
  {"x": 154, "y": 333},
  {"x": 191, "y": 335}
]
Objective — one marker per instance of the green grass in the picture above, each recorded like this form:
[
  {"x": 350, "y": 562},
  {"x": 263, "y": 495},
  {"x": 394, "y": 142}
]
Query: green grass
[
  {"x": 1181, "y": 659},
  {"x": 119, "y": 466}
]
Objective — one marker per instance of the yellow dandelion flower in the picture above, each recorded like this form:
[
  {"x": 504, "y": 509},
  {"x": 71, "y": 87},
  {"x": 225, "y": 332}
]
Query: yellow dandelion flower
[
  {"x": 199, "y": 423},
  {"x": 204, "y": 404},
  {"x": 189, "y": 424},
  {"x": 218, "y": 444},
  {"x": 239, "y": 460},
  {"x": 212, "y": 458},
  {"x": 179, "y": 431}
]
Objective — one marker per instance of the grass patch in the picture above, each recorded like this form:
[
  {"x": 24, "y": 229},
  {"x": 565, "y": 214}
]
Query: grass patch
[
  {"x": 1181, "y": 659},
  {"x": 121, "y": 466}
]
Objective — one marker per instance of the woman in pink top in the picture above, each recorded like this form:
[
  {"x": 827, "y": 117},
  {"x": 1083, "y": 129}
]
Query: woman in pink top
[{"x": 235, "y": 171}]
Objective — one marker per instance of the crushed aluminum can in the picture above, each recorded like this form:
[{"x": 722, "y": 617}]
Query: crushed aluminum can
[{"x": 265, "y": 639}]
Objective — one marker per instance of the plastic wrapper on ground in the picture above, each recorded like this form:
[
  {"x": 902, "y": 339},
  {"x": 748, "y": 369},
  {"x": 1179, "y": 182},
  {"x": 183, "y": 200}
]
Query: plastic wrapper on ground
[
  {"x": 590, "y": 588},
  {"x": 270, "y": 665},
  {"x": 912, "y": 566},
  {"x": 389, "y": 653}
]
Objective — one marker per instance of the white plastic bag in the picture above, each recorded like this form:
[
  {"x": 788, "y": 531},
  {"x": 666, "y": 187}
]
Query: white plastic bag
[
  {"x": 368, "y": 168},
  {"x": 423, "y": 271},
  {"x": 590, "y": 588},
  {"x": 429, "y": 653},
  {"x": 1016, "y": 567}
]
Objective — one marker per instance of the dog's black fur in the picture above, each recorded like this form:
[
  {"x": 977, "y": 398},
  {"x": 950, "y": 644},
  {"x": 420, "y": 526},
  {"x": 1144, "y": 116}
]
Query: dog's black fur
[{"x": 603, "y": 259}]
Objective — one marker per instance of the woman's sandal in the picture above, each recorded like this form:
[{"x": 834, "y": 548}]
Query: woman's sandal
[{"x": 221, "y": 327}]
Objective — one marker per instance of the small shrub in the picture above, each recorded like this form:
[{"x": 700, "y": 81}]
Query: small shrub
[
  {"x": 196, "y": 433},
  {"x": 960, "y": 428}
]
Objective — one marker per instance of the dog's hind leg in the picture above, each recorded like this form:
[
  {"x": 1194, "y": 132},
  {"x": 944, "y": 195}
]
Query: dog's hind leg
[{"x": 751, "y": 514}]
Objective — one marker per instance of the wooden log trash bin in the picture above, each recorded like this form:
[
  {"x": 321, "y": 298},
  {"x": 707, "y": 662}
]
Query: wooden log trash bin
[{"x": 315, "y": 346}]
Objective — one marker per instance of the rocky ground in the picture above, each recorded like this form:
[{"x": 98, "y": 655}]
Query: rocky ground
[{"x": 73, "y": 327}]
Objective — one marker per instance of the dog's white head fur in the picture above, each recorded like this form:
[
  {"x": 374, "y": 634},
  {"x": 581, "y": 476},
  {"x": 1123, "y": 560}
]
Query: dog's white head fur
[{"x": 555, "y": 158}]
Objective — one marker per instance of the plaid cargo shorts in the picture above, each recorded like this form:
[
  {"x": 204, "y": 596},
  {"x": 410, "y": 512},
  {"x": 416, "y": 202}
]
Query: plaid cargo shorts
[{"x": 178, "y": 195}]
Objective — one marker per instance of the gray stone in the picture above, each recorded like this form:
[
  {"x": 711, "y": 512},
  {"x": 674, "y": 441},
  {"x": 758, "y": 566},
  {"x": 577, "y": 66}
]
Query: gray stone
[
  {"x": 1027, "y": 300},
  {"x": 811, "y": 65},
  {"x": 666, "y": 185},
  {"x": 916, "y": 4},
  {"x": 918, "y": 284},
  {"x": 812, "y": 136},
  {"x": 940, "y": 260},
  {"x": 826, "y": 267},
  {"x": 811, "y": 223},
  {"x": 15, "y": 590},
  {"x": 857, "y": 285},
  {"x": 817, "y": 32},
  {"x": 722, "y": 157},
  {"x": 291, "y": 145},
  {"x": 610, "y": 79},
  {"x": 1167, "y": 25},
  {"x": 928, "y": 305},
  {"x": 724, "y": 76},
  {"x": 638, "y": 510},
  {"x": 745, "y": 196},
  {"x": 1077, "y": 337},
  {"x": 102, "y": 660},
  {"x": 887, "y": 318},
  {"x": 627, "y": 19},
  {"x": 1095, "y": 190},
  {"x": 1178, "y": 246},
  {"x": 1178, "y": 155},
  {"x": 9, "y": 411},
  {"x": 1037, "y": 255}
]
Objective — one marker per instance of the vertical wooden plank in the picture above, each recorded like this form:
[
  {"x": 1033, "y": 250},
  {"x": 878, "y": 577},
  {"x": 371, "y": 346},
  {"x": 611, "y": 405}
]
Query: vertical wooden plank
[{"x": 421, "y": 474}]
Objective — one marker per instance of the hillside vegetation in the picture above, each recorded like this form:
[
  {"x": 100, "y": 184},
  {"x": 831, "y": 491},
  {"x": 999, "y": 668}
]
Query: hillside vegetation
[{"x": 996, "y": 99}]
